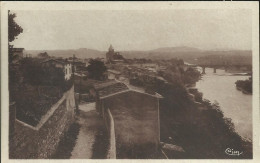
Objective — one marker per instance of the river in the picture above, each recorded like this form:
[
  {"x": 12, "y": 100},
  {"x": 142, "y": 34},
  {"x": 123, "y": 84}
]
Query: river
[{"x": 221, "y": 87}]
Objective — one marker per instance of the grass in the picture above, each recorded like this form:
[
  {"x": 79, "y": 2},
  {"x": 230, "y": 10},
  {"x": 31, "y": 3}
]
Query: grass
[
  {"x": 67, "y": 143},
  {"x": 32, "y": 102},
  {"x": 101, "y": 144},
  {"x": 135, "y": 125}
]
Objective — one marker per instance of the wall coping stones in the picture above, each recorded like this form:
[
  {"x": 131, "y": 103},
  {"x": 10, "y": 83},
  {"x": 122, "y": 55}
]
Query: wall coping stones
[{"x": 112, "y": 148}]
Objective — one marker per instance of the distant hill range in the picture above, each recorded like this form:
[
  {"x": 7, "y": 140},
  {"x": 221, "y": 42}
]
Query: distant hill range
[
  {"x": 80, "y": 53},
  {"x": 186, "y": 53}
]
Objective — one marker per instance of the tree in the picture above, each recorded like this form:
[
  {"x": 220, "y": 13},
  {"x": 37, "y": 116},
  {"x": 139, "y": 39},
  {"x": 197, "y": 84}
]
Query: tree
[
  {"x": 34, "y": 74},
  {"x": 13, "y": 28},
  {"x": 96, "y": 69},
  {"x": 191, "y": 76},
  {"x": 32, "y": 71},
  {"x": 13, "y": 31}
]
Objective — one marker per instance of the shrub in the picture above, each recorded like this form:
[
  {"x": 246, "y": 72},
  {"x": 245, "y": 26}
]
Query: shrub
[
  {"x": 32, "y": 71},
  {"x": 245, "y": 85},
  {"x": 191, "y": 76},
  {"x": 96, "y": 69}
]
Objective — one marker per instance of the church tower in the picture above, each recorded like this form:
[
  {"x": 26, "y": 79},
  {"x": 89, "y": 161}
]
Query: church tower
[
  {"x": 111, "y": 49},
  {"x": 110, "y": 54}
]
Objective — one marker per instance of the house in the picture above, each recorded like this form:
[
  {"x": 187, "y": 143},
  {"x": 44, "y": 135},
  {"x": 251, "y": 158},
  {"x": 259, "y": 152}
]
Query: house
[
  {"x": 79, "y": 66},
  {"x": 62, "y": 64},
  {"x": 162, "y": 68},
  {"x": 150, "y": 65},
  {"x": 113, "y": 74},
  {"x": 28, "y": 55},
  {"x": 135, "y": 115}
]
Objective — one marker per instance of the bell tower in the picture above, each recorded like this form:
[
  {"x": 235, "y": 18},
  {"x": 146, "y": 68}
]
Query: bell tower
[{"x": 111, "y": 49}]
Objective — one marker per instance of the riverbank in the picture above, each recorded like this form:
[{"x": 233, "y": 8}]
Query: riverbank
[
  {"x": 236, "y": 105},
  {"x": 244, "y": 91},
  {"x": 213, "y": 128},
  {"x": 193, "y": 123}
]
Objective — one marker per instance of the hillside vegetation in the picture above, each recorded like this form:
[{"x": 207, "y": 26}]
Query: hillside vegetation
[{"x": 202, "y": 130}]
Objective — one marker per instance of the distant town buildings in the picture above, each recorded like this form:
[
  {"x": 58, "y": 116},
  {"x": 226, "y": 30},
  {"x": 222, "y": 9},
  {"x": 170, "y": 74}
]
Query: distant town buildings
[
  {"x": 113, "y": 74},
  {"x": 28, "y": 55},
  {"x": 79, "y": 66}
]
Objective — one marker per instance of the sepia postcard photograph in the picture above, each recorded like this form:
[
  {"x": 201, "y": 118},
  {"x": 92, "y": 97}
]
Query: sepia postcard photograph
[{"x": 146, "y": 81}]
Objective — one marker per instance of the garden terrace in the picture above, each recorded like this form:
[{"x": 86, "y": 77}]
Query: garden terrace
[
  {"x": 36, "y": 89},
  {"x": 34, "y": 101}
]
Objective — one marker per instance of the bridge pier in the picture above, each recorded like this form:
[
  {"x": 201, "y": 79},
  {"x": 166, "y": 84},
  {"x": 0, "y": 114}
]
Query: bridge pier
[
  {"x": 215, "y": 69},
  {"x": 203, "y": 70},
  {"x": 226, "y": 68}
]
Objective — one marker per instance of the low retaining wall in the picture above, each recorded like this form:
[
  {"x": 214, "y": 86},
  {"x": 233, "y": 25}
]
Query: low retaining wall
[
  {"x": 110, "y": 126},
  {"x": 135, "y": 124},
  {"x": 30, "y": 142},
  {"x": 112, "y": 141}
]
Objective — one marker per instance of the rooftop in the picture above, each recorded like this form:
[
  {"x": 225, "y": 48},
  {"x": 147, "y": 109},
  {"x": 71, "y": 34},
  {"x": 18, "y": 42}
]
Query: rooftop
[
  {"x": 114, "y": 71},
  {"x": 110, "y": 88},
  {"x": 142, "y": 90},
  {"x": 113, "y": 87}
]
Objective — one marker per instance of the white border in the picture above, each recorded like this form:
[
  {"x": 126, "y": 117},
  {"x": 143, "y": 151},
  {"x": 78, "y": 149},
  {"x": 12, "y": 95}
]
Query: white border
[{"x": 168, "y": 5}]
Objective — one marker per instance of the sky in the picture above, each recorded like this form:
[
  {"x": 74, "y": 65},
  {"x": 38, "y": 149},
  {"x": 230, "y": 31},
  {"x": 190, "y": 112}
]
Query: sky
[{"x": 135, "y": 29}]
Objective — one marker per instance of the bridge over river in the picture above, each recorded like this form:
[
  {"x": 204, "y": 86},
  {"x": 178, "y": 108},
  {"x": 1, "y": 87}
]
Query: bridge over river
[
  {"x": 226, "y": 67},
  {"x": 233, "y": 63}
]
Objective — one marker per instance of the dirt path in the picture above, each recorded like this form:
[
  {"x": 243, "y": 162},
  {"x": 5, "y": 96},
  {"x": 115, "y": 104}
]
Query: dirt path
[
  {"x": 90, "y": 141},
  {"x": 91, "y": 128}
]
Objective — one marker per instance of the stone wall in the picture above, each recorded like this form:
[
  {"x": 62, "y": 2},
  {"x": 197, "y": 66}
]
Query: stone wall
[
  {"x": 136, "y": 123},
  {"x": 41, "y": 141},
  {"x": 109, "y": 121}
]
